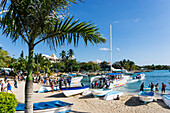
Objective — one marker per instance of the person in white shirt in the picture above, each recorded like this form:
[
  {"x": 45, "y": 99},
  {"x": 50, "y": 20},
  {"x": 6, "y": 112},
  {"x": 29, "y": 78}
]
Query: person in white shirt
[{"x": 2, "y": 85}]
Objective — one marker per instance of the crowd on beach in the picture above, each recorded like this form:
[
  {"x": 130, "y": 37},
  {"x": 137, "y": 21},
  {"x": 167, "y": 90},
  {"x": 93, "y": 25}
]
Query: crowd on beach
[
  {"x": 18, "y": 77},
  {"x": 151, "y": 85}
]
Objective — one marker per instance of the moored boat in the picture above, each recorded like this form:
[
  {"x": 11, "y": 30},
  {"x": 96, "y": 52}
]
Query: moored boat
[
  {"x": 69, "y": 91},
  {"x": 76, "y": 80},
  {"x": 116, "y": 80},
  {"x": 146, "y": 96},
  {"x": 47, "y": 107},
  {"x": 166, "y": 99},
  {"x": 47, "y": 88},
  {"x": 140, "y": 76},
  {"x": 100, "y": 92},
  {"x": 113, "y": 95}
]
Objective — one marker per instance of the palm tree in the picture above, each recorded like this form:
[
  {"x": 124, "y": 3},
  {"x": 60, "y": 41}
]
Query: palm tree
[
  {"x": 63, "y": 55},
  {"x": 36, "y": 21},
  {"x": 70, "y": 53}
]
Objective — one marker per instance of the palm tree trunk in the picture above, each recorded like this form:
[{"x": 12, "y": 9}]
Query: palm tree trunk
[{"x": 29, "y": 84}]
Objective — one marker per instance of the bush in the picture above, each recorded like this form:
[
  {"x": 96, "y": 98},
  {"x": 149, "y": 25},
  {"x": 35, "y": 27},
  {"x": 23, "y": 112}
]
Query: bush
[{"x": 8, "y": 102}]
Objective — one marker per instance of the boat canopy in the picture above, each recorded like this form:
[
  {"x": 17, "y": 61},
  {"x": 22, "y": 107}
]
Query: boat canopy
[
  {"x": 113, "y": 74},
  {"x": 72, "y": 75}
]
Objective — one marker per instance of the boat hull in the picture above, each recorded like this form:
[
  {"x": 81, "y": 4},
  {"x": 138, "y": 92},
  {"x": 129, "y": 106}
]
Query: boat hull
[
  {"x": 100, "y": 92},
  {"x": 76, "y": 80},
  {"x": 59, "y": 108},
  {"x": 166, "y": 99},
  {"x": 146, "y": 97},
  {"x": 74, "y": 90},
  {"x": 47, "y": 89},
  {"x": 113, "y": 95},
  {"x": 118, "y": 83}
]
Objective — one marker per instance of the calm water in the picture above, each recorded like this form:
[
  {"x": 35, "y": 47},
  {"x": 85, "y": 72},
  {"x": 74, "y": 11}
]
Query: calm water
[{"x": 157, "y": 76}]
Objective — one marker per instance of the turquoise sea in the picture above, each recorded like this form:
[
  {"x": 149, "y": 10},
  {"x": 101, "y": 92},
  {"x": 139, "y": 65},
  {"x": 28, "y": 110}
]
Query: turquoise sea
[{"x": 157, "y": 76}]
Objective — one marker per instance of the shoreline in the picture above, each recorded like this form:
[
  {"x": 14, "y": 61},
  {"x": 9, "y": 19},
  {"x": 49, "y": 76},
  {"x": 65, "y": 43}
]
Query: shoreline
[{"x": 128, "y": 103}]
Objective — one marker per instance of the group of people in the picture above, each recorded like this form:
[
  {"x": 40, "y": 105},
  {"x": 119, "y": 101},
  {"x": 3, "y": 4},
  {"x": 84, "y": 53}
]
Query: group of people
[
  {"x": 5, "y": 84},
  {"x": 101, "y": 83},
  {"x": 151, "y": 85},
  {"x": 62, "y": 81}
]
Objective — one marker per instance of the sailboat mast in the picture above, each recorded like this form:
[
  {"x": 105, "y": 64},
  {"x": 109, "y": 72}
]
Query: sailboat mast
[{"x": 111, "y": 47}]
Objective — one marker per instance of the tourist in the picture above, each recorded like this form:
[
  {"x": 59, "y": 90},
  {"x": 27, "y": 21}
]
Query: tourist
[
  {"x": 2, "y": 85},
  {"x": 142, "y": 86},
  {"x": 60, "y": 83},
  {"x": 65, "y": 82},
  {"x": 9, "y": 86},
  {"x": 15, "y": 82},
  {"x": 152, "y": 86},
  {"x": 95, "y": 84},
  {"x": 54, "y": 81},
  {"x": 69, "y": 81},
  {"x": 50, "y": 80},
  {"x": 5, "y": 78},
  {"x": 163, "y": 87},
  {"x": 157, "y": 87},
  {"x": 45, "y": 80},
  {"x": 52, "y": 86},
  {"x": 57, "y": 80},
  {"x": 118, "y": 98}
]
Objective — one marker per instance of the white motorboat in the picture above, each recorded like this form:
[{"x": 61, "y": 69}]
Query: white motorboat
[
  {"x": 146, "y": 96},
  {"x": 113, "y": 95},
  {"x": 166, "y": 99},
  {"x": 100, "y": 92},
  {"x": 76, "y": 80},
  {"x": 116, "y": 80},
  {"x": 47, "y": 107},
  {"x": 47, "y": 88},
  {"x": 69, "y": 91},
  {"x": 140, "y": 76}
]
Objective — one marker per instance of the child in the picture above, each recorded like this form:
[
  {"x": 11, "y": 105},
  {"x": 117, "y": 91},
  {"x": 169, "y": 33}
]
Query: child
[
  {"x": 52, "y": 86},
  {"x": 9, "y": 86}
]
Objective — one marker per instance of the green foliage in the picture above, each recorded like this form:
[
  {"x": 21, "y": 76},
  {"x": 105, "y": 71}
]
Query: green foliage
[
  {"x": 8, "y": 102},
  {"x": 70, "y": 53},
  {"x": 125, "y": 64},
  {"x": 104, "y": 65},
  {"x": 20, "y": 64},
  {"x": 4, "y": 58},
  {"x": 90, "y": 66}
]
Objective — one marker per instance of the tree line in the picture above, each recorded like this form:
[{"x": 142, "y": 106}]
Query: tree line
[{"x": 67, "y": 64}]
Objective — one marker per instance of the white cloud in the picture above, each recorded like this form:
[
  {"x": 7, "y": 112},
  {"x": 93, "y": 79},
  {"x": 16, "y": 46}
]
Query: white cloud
[
  {"x": 118, "y": 49},
  {"x": 136, "y": 20},
  {"x": 0, "y": 44},
  {"x": 98, "y": 60},
  {"x": 115, "y": 22},
  {"x": 104, "y": 49}
]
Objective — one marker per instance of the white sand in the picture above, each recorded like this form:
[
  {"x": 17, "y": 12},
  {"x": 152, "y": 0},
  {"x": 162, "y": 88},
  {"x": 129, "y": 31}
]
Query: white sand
[{"x": 127, "y": 104}]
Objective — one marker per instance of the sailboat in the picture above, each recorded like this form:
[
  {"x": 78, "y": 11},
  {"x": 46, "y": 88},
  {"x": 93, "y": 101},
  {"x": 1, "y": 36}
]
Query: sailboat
[{"x": 117, "y": 79}]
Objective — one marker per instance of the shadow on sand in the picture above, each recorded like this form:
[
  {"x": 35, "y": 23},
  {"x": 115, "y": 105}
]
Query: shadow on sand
[
  {"x": 87, "y": 97},
  {"x": 162, "y": 104},
  {"x": 59, "y": 95},
  {"x": 134, "y": 101},
  {"x": 72, "y": 111}
]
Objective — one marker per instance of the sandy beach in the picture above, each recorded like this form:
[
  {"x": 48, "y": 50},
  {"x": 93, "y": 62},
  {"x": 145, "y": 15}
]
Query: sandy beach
[{"x": 127, "y": 104}]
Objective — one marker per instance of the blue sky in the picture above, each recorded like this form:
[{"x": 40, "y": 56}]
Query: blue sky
[{"x": 141, "y": 32}]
